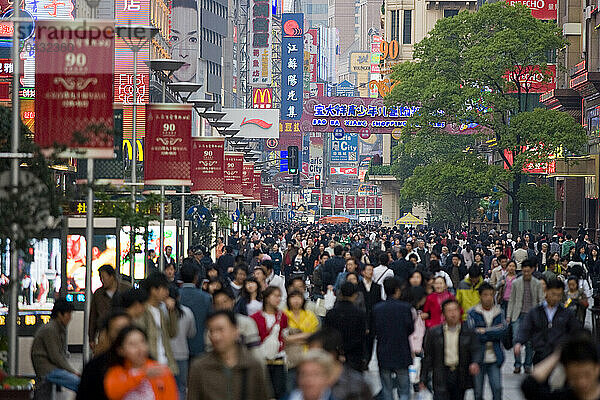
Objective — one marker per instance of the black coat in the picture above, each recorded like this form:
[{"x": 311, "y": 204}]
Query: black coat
[
  {"x": 545, "y": 337},
  {"x": 402, "y": 269},
  {"x": 91, "y": 386},
  {"x": 351, "y": 322},
  {"x": 224, "y": 262},
  {"x": 371, "y": 298},
  {"x": 469, "y": 351},
  {"x": 331, "y": 269},
  {"x": 393, "y": 325}
]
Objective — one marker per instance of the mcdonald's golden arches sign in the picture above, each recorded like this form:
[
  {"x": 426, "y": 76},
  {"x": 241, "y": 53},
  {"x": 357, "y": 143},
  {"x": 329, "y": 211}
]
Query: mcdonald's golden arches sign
[{"x": 262, "y": 98}]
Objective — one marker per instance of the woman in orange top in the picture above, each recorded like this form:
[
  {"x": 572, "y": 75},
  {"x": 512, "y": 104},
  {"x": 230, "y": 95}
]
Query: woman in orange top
[{"x": 133, "y": 375}]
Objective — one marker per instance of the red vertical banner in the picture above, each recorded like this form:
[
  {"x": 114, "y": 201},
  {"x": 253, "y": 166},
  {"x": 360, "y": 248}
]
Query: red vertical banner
[
  {"x": 248, "y": 181},
  {"x": 168, "y": 142},
  {"x": 370, "y": 201},
  {"x": 265, "y": 198},
  {"x": 326, "y": 202},
  {"x": 338, "y": 201},
  {"x": 74, "y": 86},
  {"x": 234, "y": 165},
  {"x": 379, "y": 202},
  {"x": 350, "y": 201},
  {"x": 360, "y": 202},
  {"x": 256, "y": 187},
  {"x": 208, "y": 159}
]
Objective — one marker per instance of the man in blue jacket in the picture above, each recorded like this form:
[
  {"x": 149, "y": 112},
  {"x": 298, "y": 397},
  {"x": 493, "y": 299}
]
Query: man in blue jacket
[
  {"x": 488, "y": 321},
  {"x": 393, "y": 325},
  {"x": 199, "y": 302}
]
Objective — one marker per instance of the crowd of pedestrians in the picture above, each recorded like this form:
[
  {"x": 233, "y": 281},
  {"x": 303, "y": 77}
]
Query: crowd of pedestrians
[{"x": 304, "y": 312}]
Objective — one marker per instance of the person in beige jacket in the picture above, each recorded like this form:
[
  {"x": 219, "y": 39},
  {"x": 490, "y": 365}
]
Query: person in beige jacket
[
  {"x": 229, "y": 371},
  {"x": 526, "y": 293},
  {"x": 159, "y": 320}
]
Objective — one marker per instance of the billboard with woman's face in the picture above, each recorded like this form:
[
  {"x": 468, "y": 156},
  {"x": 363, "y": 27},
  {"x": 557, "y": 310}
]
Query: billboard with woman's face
[{"x": 184, "y": 39}]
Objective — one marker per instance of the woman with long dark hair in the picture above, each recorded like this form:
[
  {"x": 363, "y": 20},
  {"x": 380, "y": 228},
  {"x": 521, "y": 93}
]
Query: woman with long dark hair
[
  {"x": 250, "y": 300},
  {"x": 132, "y": 374}
]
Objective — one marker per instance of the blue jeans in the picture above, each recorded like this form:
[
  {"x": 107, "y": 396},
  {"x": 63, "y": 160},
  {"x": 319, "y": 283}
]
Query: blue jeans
[
  {"x": 394, "y": 379},
  {"x": 181, "y": 377},
  {"x": 528, "y": 348},
  {"x": 492, "y": 370},
  {"x": 66, "y": 379}
]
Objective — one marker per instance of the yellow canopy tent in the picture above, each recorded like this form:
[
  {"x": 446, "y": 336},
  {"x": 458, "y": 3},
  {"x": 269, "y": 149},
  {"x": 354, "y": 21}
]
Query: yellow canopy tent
[{"x": 409, "y": 219}]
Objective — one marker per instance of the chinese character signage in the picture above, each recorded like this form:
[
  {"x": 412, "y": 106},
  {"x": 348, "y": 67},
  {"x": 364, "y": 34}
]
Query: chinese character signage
[
  {"x": 292, "y": 65},
  {"x": 75, "y": 95},
  {"x": 168, "y": 141},
  {"x": 248, "y": 181},
  {"x": 208, "y": 159},
  {"x": 260, "y": 48},
  {"x": 262, "y": 98},
  {"x": 234, "y": 164},
  {"x": 289, "y": 134},
  {"x": 353, "y": 114},
  {"x": 540, "y": 9},
  {"x": 345, "y": 149},
  {"x": 326, "y": 203}
]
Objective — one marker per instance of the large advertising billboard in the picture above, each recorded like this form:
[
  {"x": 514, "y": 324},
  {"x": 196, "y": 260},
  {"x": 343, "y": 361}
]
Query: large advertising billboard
[
  {"x": 254, "y": 123},
  {"x": 344, "y": 148}
]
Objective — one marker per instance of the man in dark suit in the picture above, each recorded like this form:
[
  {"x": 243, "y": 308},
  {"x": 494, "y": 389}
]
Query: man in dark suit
[
  {"x": 401, "y": 267},
  {"x": 372, "y": 294},
  {"x": 393, "y": 324},
  {"x": 351, "y": 322},
  {"x": 452, "y": 351},
  {"x": 333, "y": 267},
  {"x": 225, "y": 262}
]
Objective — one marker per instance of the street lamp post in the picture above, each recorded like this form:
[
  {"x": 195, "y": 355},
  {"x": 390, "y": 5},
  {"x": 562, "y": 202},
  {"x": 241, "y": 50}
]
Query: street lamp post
[
  {"x": 14, "y": 259},
  {"x": 165, "y": 69},
  {"x": 187, "y": 89},
  {"x": 136, "y": 37}
]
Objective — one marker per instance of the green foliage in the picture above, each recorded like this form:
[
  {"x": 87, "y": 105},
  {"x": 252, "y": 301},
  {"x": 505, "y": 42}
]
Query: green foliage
[
  {"x": 459, "y": 76},
  {"x": 453, "y": 187},
  {"x": 39, "y": 166},
  {"x": 539, "y": 201}
]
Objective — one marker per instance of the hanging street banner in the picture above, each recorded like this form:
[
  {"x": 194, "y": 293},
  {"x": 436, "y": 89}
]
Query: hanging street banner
[
  {"x": 361, "y": 202},
  {"x": 292, "y": 65},
  {"x": 168, "y": 141},
  {"x": 248, "y": 181},
  {"x": 256, "y": 185},
  {"x": 344, "y": 148},
  {"x": 362, "y": 115},
  {"x": 326, "y": 202},
  {"x": 208, "y": 159},
  {"x": 371, "y": 201},
  {"x": 74, "y": 86},
  {"x": 261, "y": 62},
  {"x": 350, "y": 201},
  {"x": 338, "y": 201},
  {"x": 234, "y": 164},
  {"x": 378, "y": 202}
]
